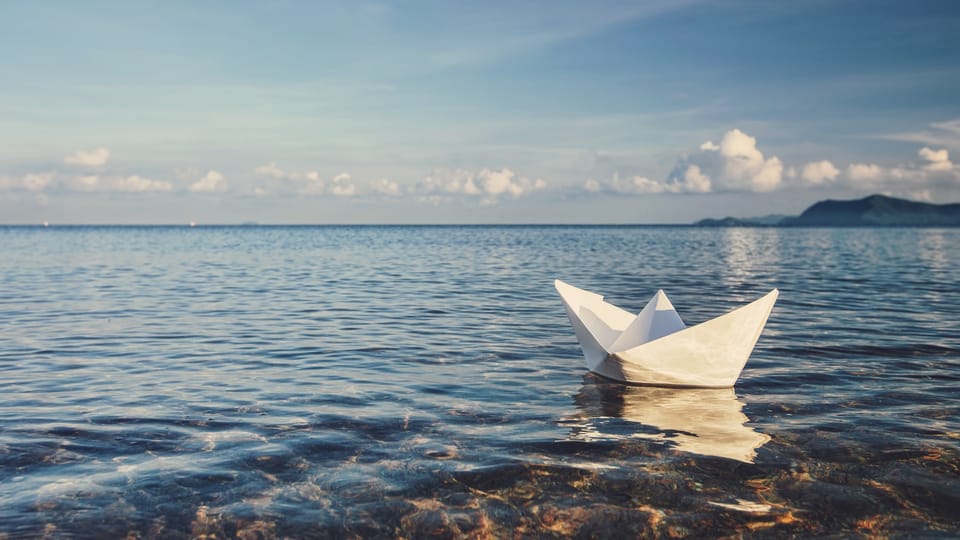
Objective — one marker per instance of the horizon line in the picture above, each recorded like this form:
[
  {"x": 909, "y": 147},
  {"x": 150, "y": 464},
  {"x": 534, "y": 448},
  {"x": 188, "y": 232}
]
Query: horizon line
[{"x": 477, "y": 224}]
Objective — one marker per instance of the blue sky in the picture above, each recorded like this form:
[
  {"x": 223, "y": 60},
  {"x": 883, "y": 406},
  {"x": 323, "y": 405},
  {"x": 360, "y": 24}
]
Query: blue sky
[{"x": 478, "y": 112}]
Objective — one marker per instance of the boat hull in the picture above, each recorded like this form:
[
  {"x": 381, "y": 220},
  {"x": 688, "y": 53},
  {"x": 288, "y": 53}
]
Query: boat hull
[{"x": 709, "y": 355}]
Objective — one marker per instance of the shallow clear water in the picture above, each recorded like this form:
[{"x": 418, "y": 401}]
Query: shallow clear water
[{"x": 424, "y": 381}]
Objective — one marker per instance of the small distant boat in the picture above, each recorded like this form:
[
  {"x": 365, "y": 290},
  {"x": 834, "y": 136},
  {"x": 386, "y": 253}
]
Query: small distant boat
[{"x": 656, "y": 348}]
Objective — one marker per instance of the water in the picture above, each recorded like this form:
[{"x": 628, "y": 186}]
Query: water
[{"x": 424, "y": 382}]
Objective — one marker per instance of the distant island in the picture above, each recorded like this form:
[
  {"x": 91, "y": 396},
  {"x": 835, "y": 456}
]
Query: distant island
[{"x": 872, "y": 211}]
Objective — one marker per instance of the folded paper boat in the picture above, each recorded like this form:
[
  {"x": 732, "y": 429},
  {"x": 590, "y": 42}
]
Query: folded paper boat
[{"x": 655, "y": 348}]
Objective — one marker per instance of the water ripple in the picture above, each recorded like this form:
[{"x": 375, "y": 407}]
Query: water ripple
[{"x": 423, "y": 381}]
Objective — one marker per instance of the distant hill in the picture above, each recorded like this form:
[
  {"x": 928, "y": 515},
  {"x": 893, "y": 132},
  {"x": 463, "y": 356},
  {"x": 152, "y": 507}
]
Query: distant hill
[
  {"x": 877, "y": 211},
  {"x": 872, "y": 211},
  {"x": 772, "y": 220}
]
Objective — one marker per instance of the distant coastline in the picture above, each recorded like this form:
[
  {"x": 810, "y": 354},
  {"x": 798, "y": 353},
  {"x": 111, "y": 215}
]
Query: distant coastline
[{"x": 872, "y": 211}]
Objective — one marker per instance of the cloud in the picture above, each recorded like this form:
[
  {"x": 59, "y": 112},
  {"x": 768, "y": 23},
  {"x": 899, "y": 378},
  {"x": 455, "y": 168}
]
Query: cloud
[
  {"x": 448, "y": 181},
  {"x": 387, "y": 187},
  {"x": 488, "y": 183},
  {"x": 139, "y": 184},
  {"x": 34, "y": 182},
  {"x": 212, "y": 182},
  {"x": 938, "y": 160},
  {"x": 87, "y": 182},
  {"x": 37, "y": 182},
  {"x": 345, "y": 190},
  {"x": 342, "y": 186},
  {"x": 309, "y": 183},
  {"x": 736, "y": 164},
  {"x": 128, "y": 184},
  {"x": 744, "y": 165},
  {"x": 92, "y": 158},
  {"x": 938, "y": 134},
  {"x": 500, "y": 182},
  {"x": 692, "y": 180},
  {"x": 695, "y": 181},
  {"x": 635, "y": 185},
  {"x": 819, "y": 172},
  {"x": 41, "y": 182},
  {"x": 913, "y": 179},
  {"x": 863, "y": 172},
  {"x": 271, "y": 170},
  {"x": 709, "y": 147}
]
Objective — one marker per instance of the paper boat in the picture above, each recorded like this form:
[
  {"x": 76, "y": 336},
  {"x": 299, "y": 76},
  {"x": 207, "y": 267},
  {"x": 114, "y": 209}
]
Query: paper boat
[{"x": 655, "y": 348}]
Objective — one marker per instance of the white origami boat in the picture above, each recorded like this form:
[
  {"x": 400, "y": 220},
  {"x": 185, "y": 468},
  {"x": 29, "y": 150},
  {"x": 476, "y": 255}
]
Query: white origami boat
[{"x": 655, "y": 348}]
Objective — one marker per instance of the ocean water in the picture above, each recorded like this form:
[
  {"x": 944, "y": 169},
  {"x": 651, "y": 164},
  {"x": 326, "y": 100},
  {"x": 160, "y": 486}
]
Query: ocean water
[{"x": 258, "y": 382}]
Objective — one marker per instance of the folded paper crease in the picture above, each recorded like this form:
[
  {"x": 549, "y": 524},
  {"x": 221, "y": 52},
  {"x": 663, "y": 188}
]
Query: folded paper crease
[{"x": 656, "y": 348}]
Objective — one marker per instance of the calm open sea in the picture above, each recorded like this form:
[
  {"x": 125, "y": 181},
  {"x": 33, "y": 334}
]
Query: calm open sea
[{"x": 251, "y": 382}]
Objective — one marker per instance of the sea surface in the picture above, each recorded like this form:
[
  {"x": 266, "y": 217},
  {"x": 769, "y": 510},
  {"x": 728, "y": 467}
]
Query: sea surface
[{"x": 424, "y": 382}]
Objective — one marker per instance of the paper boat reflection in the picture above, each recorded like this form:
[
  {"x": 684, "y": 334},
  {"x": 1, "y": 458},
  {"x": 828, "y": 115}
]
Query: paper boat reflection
[
  {"x": 705, "y": 421},
  {"x": 654, "y": 347}
]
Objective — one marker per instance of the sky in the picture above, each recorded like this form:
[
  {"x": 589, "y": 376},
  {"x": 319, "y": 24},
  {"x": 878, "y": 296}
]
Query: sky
[{"x": 660, "y": 111}]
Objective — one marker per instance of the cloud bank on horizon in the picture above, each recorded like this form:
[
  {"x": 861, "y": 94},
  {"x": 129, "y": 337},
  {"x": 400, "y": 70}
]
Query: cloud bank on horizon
[
  {"x": 735, "y": 164},
  {"x": 656, "y": 112}
]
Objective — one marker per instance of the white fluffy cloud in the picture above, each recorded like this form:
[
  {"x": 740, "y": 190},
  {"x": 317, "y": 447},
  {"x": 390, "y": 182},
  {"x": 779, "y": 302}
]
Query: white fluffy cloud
[
  {"x": 271, "y": 170},
  {"x": 937, "y": 160},
  {"x": 864, "y": 172},
  {"x": 744, "y": 165},
  {"x": 387, "y": 187},
  {"x": 636, "y": 185},
  {"x": 342, "y": 186},
  {"x": 89, "y": 182},
  {"x": 138, "y": 184},
  {"x": 691, "y": 180},
  {"x": 309, "y": 183},
  {"x": 37, "y": 182},
  {"x": 91, "y": 158},
  {"x": 736, "y": 164},
  {"x": 506, "y": 182},
  {"x": 488, "y": 183},
  {"x": 709, "y": 147},
  {"x": 819, "y": 172},
  {"x": 41, "y": 182},
  {"x": 212, "y": 182},
  {"x": 695, "y": 181},
  {"x": 912, "y": 179},
  {"x": 448, "y": 181},
  {"x": 128, "y": 184}
]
